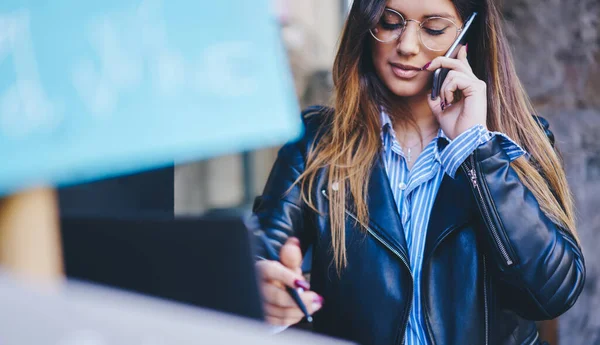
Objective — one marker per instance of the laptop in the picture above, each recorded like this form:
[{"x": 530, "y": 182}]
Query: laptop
[{"x": 204, "y": 262}]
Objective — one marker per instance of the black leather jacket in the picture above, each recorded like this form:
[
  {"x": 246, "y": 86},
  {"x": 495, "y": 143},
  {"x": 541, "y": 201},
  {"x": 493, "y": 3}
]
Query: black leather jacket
[{"x": 493, "y": 262}]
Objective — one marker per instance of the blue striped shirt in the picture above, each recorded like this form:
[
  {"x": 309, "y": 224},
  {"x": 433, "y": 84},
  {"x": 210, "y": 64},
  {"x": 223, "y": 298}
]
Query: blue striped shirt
[{"x": 415, "y": 191}]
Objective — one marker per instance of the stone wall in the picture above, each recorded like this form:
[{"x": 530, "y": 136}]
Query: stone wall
[{"x": 556, "y": 47}]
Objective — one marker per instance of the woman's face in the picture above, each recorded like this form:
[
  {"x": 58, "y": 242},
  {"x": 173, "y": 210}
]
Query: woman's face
[{"x": 397, "y": 63}]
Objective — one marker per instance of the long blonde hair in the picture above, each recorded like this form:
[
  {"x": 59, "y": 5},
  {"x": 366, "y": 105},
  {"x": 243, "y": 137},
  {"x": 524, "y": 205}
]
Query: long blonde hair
[{"x": 349, "y": 145}]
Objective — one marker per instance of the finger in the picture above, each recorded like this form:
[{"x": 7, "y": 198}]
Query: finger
[
  {"x": 275, "y": 271},
  {"x": 452, "y": 64},
  {"x": 447, "y": 97},
  {"x": 434, "y": 104},
  {"x": 466, "y": 84},
  {"x": 276, "y": 296},
  {"x": 293, "y": 314},
  {"x": 286, "y": 315},
  {"x": 275, "y": 321},
  {"x": 444, "y": 100},
  {"x": 281, "y": 298},
  {"x": 449, "y": 90},
  {"x": 462, "y": 56},
  {"x": 291, "y": 255},
  {"x": 312, "y": 301}
]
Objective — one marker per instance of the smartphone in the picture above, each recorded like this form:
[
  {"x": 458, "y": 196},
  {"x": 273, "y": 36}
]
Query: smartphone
[{"x": 440, "y": 74}]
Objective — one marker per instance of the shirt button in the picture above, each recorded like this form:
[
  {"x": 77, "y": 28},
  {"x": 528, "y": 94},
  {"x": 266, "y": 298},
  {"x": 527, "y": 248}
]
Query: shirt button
[
  {"x": 402, "y": 186},
  {"x": 335, "y": 186}
]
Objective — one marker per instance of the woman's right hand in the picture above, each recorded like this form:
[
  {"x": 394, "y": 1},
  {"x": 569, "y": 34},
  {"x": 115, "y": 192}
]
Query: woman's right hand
[{"x": 280, "y": 309}]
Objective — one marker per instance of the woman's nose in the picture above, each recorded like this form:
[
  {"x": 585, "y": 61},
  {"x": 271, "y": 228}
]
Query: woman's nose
[{"x": 409, "y": 43}]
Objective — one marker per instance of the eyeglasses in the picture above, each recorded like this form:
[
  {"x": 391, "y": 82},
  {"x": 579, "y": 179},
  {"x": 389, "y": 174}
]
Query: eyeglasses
[{"x": 436, "y": 33}]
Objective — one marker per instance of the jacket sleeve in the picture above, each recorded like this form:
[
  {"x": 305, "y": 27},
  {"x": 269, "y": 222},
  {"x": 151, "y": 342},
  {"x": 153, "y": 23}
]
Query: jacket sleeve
[
  {"x": 280, "y": 210},
  {"x": 540, "y": 263}
]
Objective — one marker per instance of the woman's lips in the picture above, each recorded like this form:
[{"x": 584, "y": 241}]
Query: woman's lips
[{"x": 404, "y": 72}]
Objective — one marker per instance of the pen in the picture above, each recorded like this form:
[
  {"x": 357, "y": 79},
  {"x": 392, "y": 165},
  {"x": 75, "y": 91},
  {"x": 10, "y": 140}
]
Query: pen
[{"x": 272, "y": 255}]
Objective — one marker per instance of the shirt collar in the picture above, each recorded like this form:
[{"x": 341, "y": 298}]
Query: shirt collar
[{"x": 385, "y": 120}]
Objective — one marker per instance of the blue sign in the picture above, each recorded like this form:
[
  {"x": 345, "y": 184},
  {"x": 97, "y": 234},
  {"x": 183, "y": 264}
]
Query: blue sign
[{"x": 91, "y": 89}]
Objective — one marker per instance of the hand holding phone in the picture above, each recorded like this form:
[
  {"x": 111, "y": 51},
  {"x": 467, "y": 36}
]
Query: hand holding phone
[{"x": 440, "y": 74}]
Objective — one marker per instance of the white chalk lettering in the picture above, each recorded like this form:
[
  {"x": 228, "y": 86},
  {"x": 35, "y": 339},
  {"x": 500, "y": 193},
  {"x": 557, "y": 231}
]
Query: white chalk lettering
[{"x": 24, "y": 106}]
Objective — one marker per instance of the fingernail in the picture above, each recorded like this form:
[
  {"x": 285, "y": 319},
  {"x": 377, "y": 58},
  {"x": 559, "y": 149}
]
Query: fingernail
[
  {"x": 317, "y": 303},
  {"x": 316, "y": 306},
  {"x": 426, "y": 66},
  {"x": 303, "y": 284},
  {"x": 294, "y": 240},
  {"x": 442, "y": 105}
]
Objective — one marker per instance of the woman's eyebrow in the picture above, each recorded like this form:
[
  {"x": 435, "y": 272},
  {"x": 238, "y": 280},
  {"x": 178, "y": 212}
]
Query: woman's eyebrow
[{"x": 443, "y": 15}]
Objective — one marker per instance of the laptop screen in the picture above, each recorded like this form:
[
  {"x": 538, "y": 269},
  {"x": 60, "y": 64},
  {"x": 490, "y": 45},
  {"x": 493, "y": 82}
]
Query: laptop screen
[{"x": 198, "y": 261}]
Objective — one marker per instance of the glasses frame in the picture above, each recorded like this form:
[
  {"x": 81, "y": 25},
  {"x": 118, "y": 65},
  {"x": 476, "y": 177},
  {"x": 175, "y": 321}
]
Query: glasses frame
[{"x": 405, "y": 24}]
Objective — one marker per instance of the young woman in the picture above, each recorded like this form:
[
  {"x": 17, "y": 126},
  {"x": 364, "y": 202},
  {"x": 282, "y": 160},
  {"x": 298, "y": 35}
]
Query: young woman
[{"x": 445, "y": 221}]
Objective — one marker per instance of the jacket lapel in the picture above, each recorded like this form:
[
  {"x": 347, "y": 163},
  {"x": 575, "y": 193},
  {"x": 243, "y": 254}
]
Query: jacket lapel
[
  {"x": 450, "y": 212},
  {"x": 383, "y": 214}
]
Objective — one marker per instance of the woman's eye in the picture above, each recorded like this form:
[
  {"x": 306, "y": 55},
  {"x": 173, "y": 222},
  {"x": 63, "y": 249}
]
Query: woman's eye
[
  {"x": 391, "y": 26},
  {"x": 434, "y": 32}
]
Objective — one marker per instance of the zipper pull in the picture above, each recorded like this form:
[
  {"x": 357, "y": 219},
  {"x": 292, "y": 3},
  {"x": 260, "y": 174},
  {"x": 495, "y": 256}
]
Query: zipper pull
[
  {"x": 473, "y": 176},
  {"x": 472, "y": 172}
]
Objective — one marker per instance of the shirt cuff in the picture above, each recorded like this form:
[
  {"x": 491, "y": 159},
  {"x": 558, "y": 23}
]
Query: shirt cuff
[{"x": 465, "y": 144}]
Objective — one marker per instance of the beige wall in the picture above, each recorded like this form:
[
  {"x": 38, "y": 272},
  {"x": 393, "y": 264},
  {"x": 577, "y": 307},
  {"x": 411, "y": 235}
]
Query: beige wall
[
  {"x": 310, "y": 34},
  {"x": 318, "y": 22}
]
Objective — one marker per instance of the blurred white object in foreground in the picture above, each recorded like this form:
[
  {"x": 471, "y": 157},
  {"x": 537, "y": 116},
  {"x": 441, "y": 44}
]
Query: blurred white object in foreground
[{"x": 82, "y": 314}]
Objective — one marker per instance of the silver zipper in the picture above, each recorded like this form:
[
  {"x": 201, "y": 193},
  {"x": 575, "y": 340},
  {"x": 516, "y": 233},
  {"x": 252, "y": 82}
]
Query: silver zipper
[
  {"x": 485, "y": 302},
  {"x": 535, "y": 340},
  {"x": 390, "y": 248},
  {"x": 472, "y": 173}
]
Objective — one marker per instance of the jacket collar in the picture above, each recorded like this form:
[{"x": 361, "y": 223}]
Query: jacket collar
[
  {"x": 450, "y": 211},
  {"x": 385, "y": 221}
]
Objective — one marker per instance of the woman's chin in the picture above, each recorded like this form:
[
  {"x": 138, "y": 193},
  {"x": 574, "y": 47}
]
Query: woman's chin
[
  {"x": 408, "y": 89},
  {"x": 408, "y": 92}
]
